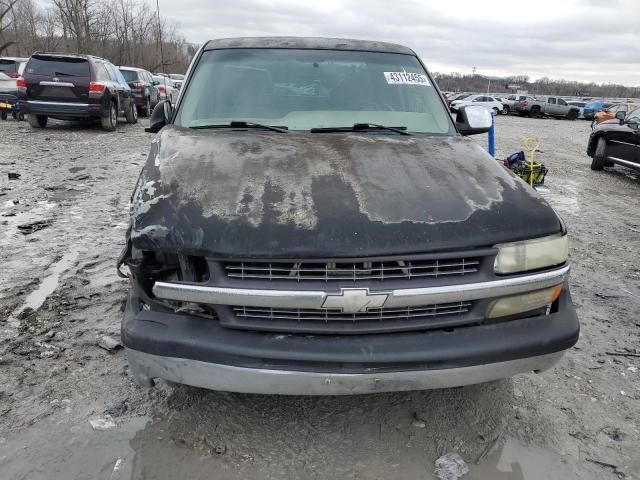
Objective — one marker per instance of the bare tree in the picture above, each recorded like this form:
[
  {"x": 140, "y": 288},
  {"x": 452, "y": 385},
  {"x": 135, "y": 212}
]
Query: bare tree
[{"x": 6, "y": 8}]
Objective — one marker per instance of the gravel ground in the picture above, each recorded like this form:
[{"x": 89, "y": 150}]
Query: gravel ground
[{"x": 580, "y": 420}]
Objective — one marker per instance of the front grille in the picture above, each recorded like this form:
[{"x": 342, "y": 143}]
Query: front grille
[
  {"x": 352, "y": 270},
  {"x": 373, "y": 314}
]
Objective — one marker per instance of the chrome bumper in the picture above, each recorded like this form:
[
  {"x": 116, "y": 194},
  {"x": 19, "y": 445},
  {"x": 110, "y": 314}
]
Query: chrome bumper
[
  {"x": 144, "y": 367},
  {"x": 407, "y": 297}
]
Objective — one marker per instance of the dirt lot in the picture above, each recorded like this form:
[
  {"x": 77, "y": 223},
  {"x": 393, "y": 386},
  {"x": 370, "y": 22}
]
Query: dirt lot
[{"x": 580, "y": 420}]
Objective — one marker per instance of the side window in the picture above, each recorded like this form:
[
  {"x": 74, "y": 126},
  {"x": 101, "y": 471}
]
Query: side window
[
  {"x": 101, "y": 72},
  {"x": 552, "y": 101},
  {"x": 112, "y": 72},
  {"x": 489, "y": 99},
  {"x": 634, "y": 116},
  {"x": 562, "y": 102}
]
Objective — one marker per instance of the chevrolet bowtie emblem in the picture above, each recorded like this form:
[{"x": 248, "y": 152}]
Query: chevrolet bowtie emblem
[{"x": 354, "y": 300}]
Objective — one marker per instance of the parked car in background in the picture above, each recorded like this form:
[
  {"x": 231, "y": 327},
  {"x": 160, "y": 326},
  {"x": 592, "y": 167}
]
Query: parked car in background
[
  {"x": 74, "y": 87},
  {"x": 591, "y": 108},
  {"x": 10, "y": 66},
  {"x": 318, "y": 284},
  {"x": 610, "y": 113},
  {"x": 509, "y": 103},
  {"x": 578, "y": 104},
  {"x": 177, "y": 79},
  {"x": 143, "y": 88},
  {"x": 486, "y": 101},
  {"x": 9, "y": 93},
  {"x": 166, "y": 88},
  {"x": 457, "y": 96},
  {"x": 551, "y": 106},
  {"x": 616, "y": 141}
]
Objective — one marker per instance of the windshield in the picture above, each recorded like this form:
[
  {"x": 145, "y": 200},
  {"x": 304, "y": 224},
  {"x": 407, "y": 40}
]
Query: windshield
[
  {"x": 305, "y": 89},
  {"x": 130, "y": 75}
]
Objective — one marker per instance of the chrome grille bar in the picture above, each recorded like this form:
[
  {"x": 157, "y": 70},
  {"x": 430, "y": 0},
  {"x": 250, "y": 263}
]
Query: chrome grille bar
[
  {"x": 381, "y": 314},
  {"x": 353, "y": 271}
]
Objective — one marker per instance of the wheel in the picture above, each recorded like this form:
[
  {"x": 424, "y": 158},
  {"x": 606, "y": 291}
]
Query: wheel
[
  {"x": 3, "y": 114},
  {"x": 37, "y": 121},
  {"x": 21, "y": 117},
  {"x": 535, "y": 111},
  {"x": 505, "y": 109},
  {"x": 132, "y": 114},
  {"x": 600, "y": 155},
  {"x": 110, "y": 121},
  {"x": 572, "y": 115},
  {"x": 496, "y": 112},
  {"x": 146, "y": 110}
]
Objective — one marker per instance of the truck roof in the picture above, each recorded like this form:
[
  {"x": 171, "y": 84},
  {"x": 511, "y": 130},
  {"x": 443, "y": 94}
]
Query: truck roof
[{"x": 312, "y": 43}]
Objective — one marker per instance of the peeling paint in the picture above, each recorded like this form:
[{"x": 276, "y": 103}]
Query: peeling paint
[{"x": 259, "y": 193}]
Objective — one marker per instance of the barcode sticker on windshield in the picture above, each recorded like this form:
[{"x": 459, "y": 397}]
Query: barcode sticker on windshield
[{"x": 404, "y": 78}]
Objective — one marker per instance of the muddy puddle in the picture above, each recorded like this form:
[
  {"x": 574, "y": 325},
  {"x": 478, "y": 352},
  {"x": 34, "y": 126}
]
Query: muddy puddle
[
  {"x": 46, "y": 287},
  {"x": 139, "y": 448}
]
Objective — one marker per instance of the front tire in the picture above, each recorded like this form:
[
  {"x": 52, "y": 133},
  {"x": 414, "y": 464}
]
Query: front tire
[
  {"x": 132, "y": 114},
  {"x": 535, "y": 111},
  {"x": 572, "y": 115},
  {"x": 600, "y": 155},
  {"x": 496, "y": 112},
  {"x": 505, "y": 109},
  {"x": 110, "y": 121},
  {"x": 37, "y": 121},
  {"x": 3, "y": 114}
]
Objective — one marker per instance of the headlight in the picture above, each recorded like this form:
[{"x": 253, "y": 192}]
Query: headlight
[
  {"x": 531, "y": 254},
  {"x": 523, "y": 303}
]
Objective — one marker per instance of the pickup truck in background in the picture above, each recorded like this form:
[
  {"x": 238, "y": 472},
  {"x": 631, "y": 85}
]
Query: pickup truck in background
[
  {"x": 551, "y": 106},
  {"x": 509, "y": 104}
]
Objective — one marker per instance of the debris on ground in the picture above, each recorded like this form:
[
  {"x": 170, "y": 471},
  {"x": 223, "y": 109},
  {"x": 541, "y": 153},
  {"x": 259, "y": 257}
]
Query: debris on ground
[
  {"x": 109, "y": 343},
  {"x": 29, "y": 228},
  {"x": 451, "y": 467},
  {"x": 13, "y": 176},
  {"x": 117, "y": 410},
  {"x": 102, "y": 423}
]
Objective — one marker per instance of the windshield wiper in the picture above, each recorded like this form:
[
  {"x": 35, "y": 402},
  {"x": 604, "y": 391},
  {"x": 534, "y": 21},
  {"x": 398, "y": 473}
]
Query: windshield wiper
[
  {"x": 62, "y": 74},
  {"x": 243, "y": 124},
  {"x": 361, "y": 127}
]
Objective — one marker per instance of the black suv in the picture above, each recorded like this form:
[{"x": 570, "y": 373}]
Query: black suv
[
  {"x": 74, "y": 87},
  {"x": 616, "y": 141},
  {"x": 143, "y": 88}
]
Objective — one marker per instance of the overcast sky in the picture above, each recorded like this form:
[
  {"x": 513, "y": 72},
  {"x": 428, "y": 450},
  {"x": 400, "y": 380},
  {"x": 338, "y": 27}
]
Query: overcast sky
[{"x": 585, "y": 40}]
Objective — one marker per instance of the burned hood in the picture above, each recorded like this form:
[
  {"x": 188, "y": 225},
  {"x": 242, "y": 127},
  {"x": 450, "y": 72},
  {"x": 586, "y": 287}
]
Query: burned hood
[{"x": 266, "y": 194}]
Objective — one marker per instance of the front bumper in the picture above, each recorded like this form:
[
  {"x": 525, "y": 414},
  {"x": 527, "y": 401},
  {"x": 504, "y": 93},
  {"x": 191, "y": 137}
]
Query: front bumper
[{"x": 199, "y": 352}]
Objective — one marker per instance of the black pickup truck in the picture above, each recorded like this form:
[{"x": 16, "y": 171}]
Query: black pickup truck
[{"x": 311, "y": 220}]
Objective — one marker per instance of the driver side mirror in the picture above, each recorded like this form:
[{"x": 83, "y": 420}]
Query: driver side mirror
[
  {"x": 620, "y": 115},
  {"x": 160, "y": 117},
  {"x": 473, "y": 119}
]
